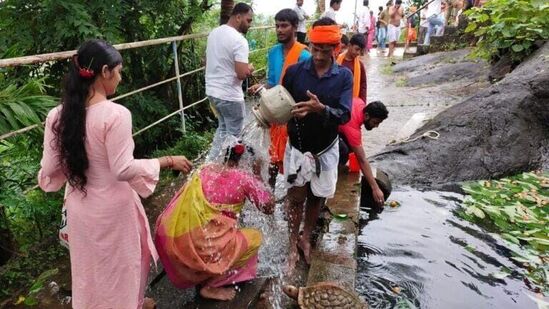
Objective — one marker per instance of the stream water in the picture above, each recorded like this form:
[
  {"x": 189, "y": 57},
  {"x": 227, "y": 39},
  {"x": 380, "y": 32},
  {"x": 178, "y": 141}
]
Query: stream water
[{"x": 421, "y": 255}]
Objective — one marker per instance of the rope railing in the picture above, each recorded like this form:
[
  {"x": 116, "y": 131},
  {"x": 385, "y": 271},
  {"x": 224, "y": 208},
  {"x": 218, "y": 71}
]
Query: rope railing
[
  {"x": 157, "y": 84},
  {"x": 23, "y": 130},
  {"x": 41, "y": 58},
  {"x": 169, "y": 116},
  {"x": 26, "y": 129},
  {"x": 11, "y": 62}
]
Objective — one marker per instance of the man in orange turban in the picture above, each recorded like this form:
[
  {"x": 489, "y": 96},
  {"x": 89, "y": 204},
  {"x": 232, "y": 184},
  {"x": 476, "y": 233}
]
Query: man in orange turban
[{"x": 323, "y": 90}]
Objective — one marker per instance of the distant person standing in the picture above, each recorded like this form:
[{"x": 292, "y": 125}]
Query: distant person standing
[
  {"x": 226, "y": 67},
  {"x": 302, "y": 16},
  {"x": 371, "y": 32},
  {"x": 377, "y": 21},
  {"x": 383, "y": 23},
  {"x": 411, "y": 34},
  {"x": 396, "y": 12},
  {"x": 335, "y": 5},
  {"x": 435, "y": 19},
  {"x": 364, "y": 20}
]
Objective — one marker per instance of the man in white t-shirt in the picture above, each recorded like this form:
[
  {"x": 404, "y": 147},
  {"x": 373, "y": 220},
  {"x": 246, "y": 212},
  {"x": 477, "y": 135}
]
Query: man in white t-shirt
[
  {"x": 435, "y": 19},
  {"x": 226, "y": 67},
  {"x": 301, "y": 16},
  {"x": 364, "y": 20},
  {"x": 335, "y": 5}
]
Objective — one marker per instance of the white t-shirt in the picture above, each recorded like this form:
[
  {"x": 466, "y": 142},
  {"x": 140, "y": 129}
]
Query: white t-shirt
[
  {"x": 434, "y": 8},
  {"x": 225, "y": 47},
  {"x": 301, "y": 17},
  {"x": 364, "y": 20},
  {"x": 329, "y": 13}
]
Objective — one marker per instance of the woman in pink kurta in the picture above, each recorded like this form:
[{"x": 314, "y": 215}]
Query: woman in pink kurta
[
  {"x": 88, "y": 145},
  {"x": 371, "y": 31}
]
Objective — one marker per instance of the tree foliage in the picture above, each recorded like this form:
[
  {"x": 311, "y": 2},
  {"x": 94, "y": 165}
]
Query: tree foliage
[
  {"x": 509, "y": 27},
  {"x": 24, "y": 105}
]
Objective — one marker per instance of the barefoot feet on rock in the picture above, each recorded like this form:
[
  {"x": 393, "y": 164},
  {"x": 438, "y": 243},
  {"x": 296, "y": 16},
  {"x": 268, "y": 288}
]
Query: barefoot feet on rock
[{"x": 223, "y": 294}]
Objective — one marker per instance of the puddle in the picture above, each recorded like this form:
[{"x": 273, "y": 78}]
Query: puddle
[{"x": 421, "y": 255}]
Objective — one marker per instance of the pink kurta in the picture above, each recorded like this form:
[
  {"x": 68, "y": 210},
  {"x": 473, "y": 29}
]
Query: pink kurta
[
  {"x": 371, "y": 33},
  {"x": 109, "y": 235}
]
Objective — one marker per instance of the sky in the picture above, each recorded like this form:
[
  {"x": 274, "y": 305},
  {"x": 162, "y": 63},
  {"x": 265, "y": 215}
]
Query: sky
[{"x": 345, "y": 14}]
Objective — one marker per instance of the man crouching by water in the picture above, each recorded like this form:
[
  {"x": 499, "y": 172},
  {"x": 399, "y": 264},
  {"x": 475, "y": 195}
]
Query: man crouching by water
[{"x": 323, "y": 90}]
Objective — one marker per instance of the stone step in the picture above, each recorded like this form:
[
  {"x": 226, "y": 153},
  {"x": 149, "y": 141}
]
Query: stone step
[{"x": 334, "y": 257}]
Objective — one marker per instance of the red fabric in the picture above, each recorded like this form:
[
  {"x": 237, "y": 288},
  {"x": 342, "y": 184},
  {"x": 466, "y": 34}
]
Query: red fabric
[{"x": 353, "y": 129}]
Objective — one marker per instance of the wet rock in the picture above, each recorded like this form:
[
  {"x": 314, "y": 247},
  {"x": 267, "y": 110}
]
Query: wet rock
[
  {"x": 501, "y": 68},
  {"x": 471, "y": 70},
  {"x": 420, "y": 63},
  {"x": 500, "y": 131},
  {"x": 442, "y": 67}
]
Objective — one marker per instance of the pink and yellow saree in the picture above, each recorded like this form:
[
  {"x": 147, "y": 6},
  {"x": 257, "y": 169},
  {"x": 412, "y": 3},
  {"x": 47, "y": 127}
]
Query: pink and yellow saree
[{"x": 198, "y": 241}]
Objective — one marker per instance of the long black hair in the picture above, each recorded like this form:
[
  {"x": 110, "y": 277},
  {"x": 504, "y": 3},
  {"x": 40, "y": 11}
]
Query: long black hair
[{"x": 70, "y": 129}]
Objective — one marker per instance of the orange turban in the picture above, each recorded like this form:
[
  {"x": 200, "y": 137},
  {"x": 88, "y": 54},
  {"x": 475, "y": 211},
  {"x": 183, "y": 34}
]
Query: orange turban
[{"x": 326, "y": 35}]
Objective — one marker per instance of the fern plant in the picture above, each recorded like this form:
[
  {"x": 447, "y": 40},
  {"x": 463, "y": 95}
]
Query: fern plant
[{"x": 24, "y": 105}]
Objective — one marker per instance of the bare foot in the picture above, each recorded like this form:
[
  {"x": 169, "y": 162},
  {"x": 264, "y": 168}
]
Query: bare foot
[
  {"x": 292, "y": 261},
  {"x": 149, "y": 303},
  {"x": 305, "y": 246},
  {"x": 223, "y": 294}
]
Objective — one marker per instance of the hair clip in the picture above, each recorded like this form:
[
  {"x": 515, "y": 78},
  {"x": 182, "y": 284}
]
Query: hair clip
[
  {"x": 83, "y": 72},
  {"x": 86, "y": 73}
]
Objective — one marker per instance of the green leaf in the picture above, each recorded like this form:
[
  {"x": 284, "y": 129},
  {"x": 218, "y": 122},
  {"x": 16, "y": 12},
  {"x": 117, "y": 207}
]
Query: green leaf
[
  {"x": 517, "y": 48},
  {"x": 471, "y": 27},
  {"x": 31, "y": 301},
  {"x": 511, "y": 238}
]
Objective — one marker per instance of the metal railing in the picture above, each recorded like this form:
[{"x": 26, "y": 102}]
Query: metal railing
[{"x": 43, "y": 58}]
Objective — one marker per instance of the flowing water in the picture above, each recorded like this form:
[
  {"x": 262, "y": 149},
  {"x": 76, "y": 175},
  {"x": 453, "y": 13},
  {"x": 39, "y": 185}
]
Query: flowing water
[
  {"x": 274, "y": 246},
  {"x": 421, "y": 255}
]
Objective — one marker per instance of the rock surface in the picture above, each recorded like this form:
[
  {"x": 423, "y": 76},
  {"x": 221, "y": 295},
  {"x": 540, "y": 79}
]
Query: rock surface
[
  {"x": 502, "y": 130},
  {"x": 442, "y": 67}
]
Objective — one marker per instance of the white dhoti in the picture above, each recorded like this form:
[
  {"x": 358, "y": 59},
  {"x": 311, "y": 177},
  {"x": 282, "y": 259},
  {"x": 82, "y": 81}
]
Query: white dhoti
[{"x": 319, "y": 171}]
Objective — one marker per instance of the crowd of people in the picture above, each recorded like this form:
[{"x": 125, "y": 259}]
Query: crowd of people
[
  {"x": 386, "y": 27},
  {"x": 88, "y": 149}
]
